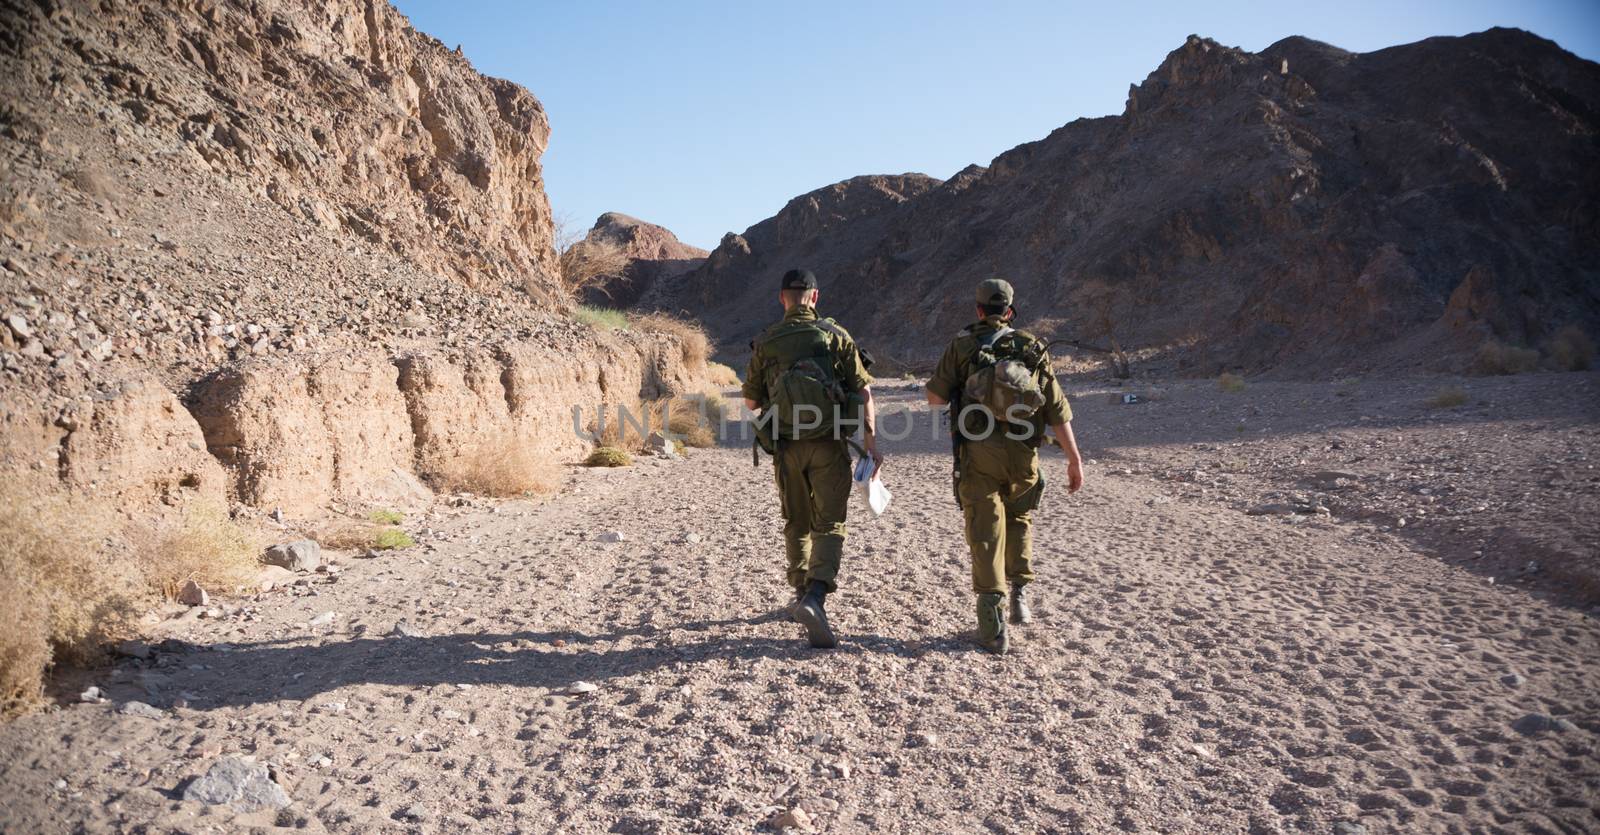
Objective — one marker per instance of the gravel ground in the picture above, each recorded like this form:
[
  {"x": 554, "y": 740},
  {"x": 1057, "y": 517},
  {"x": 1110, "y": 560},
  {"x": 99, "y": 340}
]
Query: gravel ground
[{"x": 1192, "y": 667}]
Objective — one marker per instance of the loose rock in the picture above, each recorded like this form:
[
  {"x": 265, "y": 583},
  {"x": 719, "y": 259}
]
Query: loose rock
[
  {"x": 240, "y": 783},
  {"x": 191, "y": 594},
  {"x": 300, "y": 555}
]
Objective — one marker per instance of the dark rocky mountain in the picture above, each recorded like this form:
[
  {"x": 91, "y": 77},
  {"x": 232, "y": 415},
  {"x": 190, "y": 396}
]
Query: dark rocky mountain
[{"x": 1304, "y": 209}]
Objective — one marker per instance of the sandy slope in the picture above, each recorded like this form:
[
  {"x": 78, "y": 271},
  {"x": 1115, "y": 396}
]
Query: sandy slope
[{"x": 1192, "y": 669}]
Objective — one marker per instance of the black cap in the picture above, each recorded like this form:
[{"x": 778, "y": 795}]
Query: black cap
[{"x": 799, "y": 280}]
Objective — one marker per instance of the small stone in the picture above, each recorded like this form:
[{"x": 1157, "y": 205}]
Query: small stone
[
  {"x": 300, "y": 555},
  {"x": 613, "y": 536},
  {"x": 1512, "y": 680},
  {"x": 91, "y": 695},
  {"x": 1348, "y": 828},
  {"x": 842, "y": 768},
  {"x": 240, "y": 783},
  {"x": 323, "y": 619},
  {"x": 1201, "y": 750},
  {"x": 1271, "y": 509},
  {"x": 414, "y": 812},
  {"x": 60, "y": 784},
  {"x": 692, "y": 538},
  {"x": 404, "y": 629},
  {"x": 792, "y": 819},
  {"x": 191, "y": 594},
  {"x": 19, "y": 325},
  {"x": 580, "y": 688},
  {"x": 1533, "y": 723},
  {"x": 140, "y": 709},
  {"x": 923, "y": 740}
]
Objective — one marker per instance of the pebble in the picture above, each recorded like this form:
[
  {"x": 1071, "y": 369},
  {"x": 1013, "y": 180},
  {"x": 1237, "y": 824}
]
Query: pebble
[
  {"x": 404, "y": 629},
  {"x": 415, "y": 812},
  {"x": 91, "y": 695},
  {"x": 1348, "y": 828},
  {"x": 613, "y": 536},
  {"x": 1512, "y": 680},
  {"x": 580, "y": 688},
  {"x": 140, "y": 709},
  {"x": 792, "y": 819},
  {"x": 1536, "y": 723},
  {"x": 323, "y": 619}
]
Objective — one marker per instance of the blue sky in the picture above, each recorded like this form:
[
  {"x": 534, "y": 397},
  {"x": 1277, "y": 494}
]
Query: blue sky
[{"x": 707, "y": 117}]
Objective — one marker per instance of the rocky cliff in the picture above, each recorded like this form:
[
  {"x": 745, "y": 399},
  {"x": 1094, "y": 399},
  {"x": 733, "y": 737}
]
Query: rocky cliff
[
  {"x": 1304, "y": 209},
  {"x": 278, "y": 253},
  {"x": 653, "y": 252}
]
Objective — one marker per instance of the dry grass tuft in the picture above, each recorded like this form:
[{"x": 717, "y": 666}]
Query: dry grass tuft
[
  {"x": 1500, "y": 358},
  {"x": 386, "y": 517},
  {"x": 608, "y": 456},
  {"x": 62, "y": 595},
  {"x": 1448, "y": 397},
  {"x": 692, "y": 339},
  {"x": 721, "y": 375},
  {"x": 1570, "y": 349},
  {"x": 504, "y": 467},
  {"x": 89, "y": 181},
  {"x": 207, "y": 547},
  {"x": 695, "y": 419},
  {"x": 602, "y": 318},
  {"x": 1231, "y": 383}
]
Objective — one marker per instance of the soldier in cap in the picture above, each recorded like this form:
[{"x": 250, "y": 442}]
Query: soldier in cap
[
  {"x": 809, "y": 382},
  {"x": 1003, "y": 394}
]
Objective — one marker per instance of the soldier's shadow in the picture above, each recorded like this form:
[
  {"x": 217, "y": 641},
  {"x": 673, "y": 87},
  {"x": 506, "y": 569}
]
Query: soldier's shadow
[{"x": 226, "y": 675}]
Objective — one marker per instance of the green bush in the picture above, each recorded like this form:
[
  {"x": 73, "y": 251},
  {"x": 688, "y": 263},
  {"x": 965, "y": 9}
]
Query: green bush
[
  {"x": 608, "y": 456},
  {"x": 1231, "y": 383},
  {"x": 603, "y": 318},
  {"x": 386, "y": 517},
  {"x": 392, "y": 538}
]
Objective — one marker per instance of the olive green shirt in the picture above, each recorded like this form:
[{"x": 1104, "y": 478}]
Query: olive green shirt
[
  {"x": 851, "y": 364},
  {"x": 950, "y": 377}
]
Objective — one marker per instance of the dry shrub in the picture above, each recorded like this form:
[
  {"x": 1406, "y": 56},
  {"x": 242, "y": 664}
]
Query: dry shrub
[
  {"x": 207, "y": 547},
  {"x": 692, "y": 339},
  {"x": 608, "y": 456},
  {"x": 586, "y": 263},
  {"x": 1570, "y": 349},
  {"x": 721, "y": 375},
  {"x": 695, "y": 419},
  {"x": 625, "y": 434},
  {"x": 1231, "y": 382},
  {"x": 1500, "y": 358},
  {"x": 344, "y": 534},
  {"x": 504, "y": 467},
  {"x": 62, "y": 595},
  {"x": 1448, "y": 397}
]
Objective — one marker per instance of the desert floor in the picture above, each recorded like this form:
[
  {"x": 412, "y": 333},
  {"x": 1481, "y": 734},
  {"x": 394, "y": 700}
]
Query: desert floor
[{"x": 1317, "y": 607}]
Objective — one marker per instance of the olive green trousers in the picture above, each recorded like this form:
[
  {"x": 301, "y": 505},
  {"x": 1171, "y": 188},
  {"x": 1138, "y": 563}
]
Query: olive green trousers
[
  {"x": 814, "y": 491},
  {"x": 999, "y": 488}
]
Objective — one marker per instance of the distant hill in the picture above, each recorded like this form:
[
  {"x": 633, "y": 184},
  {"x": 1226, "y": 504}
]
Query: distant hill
[
  {"x": 1304, "y": 209},
  {"x": 653, "y": 251}
]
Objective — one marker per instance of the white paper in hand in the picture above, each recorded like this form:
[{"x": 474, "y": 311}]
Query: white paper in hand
[{"x": 871, "y": 487}]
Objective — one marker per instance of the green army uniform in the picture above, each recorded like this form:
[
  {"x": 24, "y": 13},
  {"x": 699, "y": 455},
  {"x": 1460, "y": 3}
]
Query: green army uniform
[
  {"x": 813, "y": 476},
  {"x": 1000, "y": 483}
]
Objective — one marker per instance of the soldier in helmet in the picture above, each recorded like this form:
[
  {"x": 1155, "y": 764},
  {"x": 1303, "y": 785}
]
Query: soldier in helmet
[
  {"x": 809, "y": 381},
  {"x": 1003, "y": 394}
]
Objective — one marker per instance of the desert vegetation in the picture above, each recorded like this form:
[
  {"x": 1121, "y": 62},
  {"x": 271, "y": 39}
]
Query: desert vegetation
[
  {"x": 722, "y": 376},
  {"x": 692, "y": 339},
  {"x": 501, "y": 466},
  {"x": 1570, "y": 349},
  {"x": 602, "y": 318},
  {"x": 608, "y": 456},
  {"x": 1231, "y": 383},
  {"x": 585, "y": 263},
  {"x": 1448, "y": 397}
]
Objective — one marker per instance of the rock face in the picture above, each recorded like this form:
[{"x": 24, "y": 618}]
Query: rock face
[
  {"x": 654, "y": 254},
  {"x": 278, "y": 253},
  {"x": 1305, "y": 208}
]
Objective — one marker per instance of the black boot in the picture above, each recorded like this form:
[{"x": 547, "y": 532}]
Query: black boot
[
  {"x": 793, "y": 606},
  {"x": 1020, "y": 613},
  {"x": 810, "y": 614}
]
